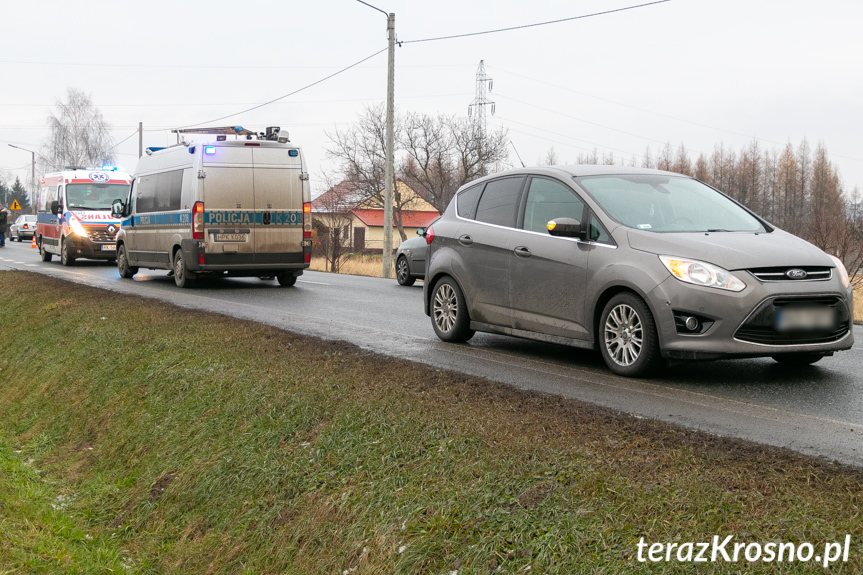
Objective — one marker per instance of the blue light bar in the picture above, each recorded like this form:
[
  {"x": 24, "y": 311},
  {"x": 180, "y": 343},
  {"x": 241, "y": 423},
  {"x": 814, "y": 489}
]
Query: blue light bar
[
  {"x": 210, "y": 150},
  {"x": 293, "y": 153}
]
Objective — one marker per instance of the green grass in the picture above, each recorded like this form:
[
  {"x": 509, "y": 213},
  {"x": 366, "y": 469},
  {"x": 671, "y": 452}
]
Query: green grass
[{"x": 142, "y": 438}]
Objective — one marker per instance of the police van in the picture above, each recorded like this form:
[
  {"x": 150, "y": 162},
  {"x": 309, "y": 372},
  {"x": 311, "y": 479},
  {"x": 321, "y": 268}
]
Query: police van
[
  {"x": 234, "y": 203},
  {"x": 74, "y": 218}
]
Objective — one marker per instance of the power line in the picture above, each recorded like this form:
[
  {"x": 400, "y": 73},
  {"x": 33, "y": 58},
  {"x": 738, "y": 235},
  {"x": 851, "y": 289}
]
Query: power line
[
  {"x": 290, "y": 94},
  {"x": 533, "y": 25},
  {"x": 121, "y": 141}
]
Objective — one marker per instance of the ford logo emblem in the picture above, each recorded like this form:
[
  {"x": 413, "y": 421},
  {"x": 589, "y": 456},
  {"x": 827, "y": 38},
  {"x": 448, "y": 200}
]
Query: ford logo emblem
[
  {"x": 99, "y": 177},
  {"x": 796, "y": 274}
]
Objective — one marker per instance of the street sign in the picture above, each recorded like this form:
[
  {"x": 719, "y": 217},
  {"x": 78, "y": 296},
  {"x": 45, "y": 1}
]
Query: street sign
[{"x": 15, "y": 205}]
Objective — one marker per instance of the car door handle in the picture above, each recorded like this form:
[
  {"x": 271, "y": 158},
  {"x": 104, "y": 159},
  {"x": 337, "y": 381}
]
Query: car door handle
[
  {"x": 465, "y": 240},
  {"x": 522, "y": 252}
]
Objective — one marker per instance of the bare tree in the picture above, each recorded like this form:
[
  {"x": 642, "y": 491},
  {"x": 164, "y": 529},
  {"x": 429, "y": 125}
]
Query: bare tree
[
  {"x": 331, "y": 217},
  {"x": 550, "y": 157},
  {"x": 445, "y": 152},
  {"x": 361, "y": 152},
  {"x": 78, "y": 134}
]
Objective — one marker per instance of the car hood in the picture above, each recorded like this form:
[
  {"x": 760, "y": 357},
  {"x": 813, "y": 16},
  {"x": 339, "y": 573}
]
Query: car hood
[{"x": 733, "y": 250}]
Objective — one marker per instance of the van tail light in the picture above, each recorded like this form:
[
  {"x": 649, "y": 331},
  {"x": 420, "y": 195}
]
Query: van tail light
[
  {"x": 307, "y": 220},
  {"x": 198, "y": 221},
  {"x": 429, "y": 235}
]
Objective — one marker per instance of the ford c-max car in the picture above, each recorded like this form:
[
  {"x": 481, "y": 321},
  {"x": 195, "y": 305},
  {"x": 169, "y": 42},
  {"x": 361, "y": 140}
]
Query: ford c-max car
[{"x": 643, "y": 265}]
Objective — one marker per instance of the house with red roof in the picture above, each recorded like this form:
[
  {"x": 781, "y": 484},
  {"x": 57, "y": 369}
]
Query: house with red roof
[{"x": 360, "y": 219}]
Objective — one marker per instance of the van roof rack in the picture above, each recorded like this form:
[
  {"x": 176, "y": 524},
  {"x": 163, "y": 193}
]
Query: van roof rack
[
  {"x": 272, "y": 133},
  {"x": 228, "y": 130}
]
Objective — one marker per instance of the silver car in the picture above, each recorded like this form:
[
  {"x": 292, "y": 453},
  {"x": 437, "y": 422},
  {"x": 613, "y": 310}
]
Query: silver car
[{"x": 643, "y": 265}]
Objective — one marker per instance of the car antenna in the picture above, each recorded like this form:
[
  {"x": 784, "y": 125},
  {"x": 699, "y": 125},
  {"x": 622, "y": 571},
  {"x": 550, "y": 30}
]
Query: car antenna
[{"x": 516, "y": 153}]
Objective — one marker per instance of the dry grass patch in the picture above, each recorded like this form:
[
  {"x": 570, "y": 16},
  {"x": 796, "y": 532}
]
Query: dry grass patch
[{"x": 294, "y": 455}]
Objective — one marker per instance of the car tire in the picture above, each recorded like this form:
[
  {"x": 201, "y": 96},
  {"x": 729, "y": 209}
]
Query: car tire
[
  {"x": 181, "y": 278},
  {"x": 44, "y": 254},
  {"x": 65, "y": 257},
  {"x": 449, "y": 314},
  {"x": 627, "y": 336},
  {"x": 286, "y": 279},
  {"x": 126, "y": 271},
  {"x": 797, "y": 359},
  {"x": 403, "y": 272}
]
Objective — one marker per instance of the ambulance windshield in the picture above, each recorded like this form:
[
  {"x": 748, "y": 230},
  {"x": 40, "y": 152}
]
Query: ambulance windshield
[{"x": 92, "y": 196}]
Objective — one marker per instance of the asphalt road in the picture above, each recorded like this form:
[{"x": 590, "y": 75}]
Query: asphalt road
[{"x": 816, "y": 410}]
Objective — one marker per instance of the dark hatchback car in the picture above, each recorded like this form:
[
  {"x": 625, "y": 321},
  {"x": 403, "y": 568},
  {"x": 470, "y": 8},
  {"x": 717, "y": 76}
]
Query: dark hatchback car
[
  {"x": 643, "y": 265},
  {"x": 411, "y": 259}
]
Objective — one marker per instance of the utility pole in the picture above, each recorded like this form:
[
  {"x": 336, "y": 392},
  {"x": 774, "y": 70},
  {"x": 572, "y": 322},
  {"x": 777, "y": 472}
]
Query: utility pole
[
  {"x": 390, "y": 157},
  {"x": 387, "y": 271}
]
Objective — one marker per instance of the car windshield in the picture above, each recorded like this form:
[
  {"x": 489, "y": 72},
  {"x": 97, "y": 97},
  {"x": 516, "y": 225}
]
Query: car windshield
[
  {"x": 94, "y": 196},
  {"x": 29, "y": 218},
  {"x": 661, "y": 203}
]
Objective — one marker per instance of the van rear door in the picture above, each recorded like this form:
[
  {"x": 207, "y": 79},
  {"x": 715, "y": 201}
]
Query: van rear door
[
  {"x": 278, "y": 204},
  {"x": 229, "y": 203}
]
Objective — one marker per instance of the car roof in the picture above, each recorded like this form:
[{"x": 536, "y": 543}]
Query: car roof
[{"x": 576, "y": 170}]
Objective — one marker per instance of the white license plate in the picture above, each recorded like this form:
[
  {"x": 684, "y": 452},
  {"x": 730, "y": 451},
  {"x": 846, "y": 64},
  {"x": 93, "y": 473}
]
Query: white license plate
[
  {"x": 230, "y": 237},
  {"x": 109, "y": 248},
  {"x": 805, "y": 318}
]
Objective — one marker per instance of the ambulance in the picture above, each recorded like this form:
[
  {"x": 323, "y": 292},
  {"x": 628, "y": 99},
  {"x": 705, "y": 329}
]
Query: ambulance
[
  {"x": 74, "y": 213},
  {"x": 227, "y": 202}
]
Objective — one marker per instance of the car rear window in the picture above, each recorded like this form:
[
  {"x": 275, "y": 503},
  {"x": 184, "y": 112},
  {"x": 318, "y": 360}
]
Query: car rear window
[
  {"x": 466, "y": 200},
  {"x": 499, "y": 202}
]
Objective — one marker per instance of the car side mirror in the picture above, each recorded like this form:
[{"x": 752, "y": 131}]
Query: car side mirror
[
  {"x": 55, "y": 207},
  {"x": 117, "y": 208},
  {"x": 565, "y": 228},
  {"x": 421, "y": 232}
]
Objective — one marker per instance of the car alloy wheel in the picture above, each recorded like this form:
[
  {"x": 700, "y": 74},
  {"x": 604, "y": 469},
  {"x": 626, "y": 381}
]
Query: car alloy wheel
[
  {"x": 624, "y": 335},
  {"x": 403, "y": 275},
  {"x": 627, "y": 335},
  {"x": 450, "y": 318}
]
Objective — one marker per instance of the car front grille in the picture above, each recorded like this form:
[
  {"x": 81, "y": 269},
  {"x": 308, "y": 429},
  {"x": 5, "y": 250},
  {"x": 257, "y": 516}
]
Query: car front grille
[
  {"x": 100, "y": 235},
  {"x": 780, "y": 274},
  {"x": 760, "y": 326}
]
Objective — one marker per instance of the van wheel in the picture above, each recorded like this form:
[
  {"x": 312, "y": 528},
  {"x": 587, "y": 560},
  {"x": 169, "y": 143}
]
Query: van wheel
[
  {"x": 180, "y": 277},
  {"x": 286, "y": 279},
  {"x": 45, "y": 255},
  {"x": 65, "y": 257},
  {"x": 627, "y": 336},
  {"x": 126, "y": 271},
  {"x": 450, "y": 318},
  {"x": 403, "y": 273}
]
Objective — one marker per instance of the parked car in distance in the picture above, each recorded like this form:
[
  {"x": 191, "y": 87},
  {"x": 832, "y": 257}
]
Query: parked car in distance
[
  {"x": 23, "y": 228},
  {"x": 411, "y": 259},
  {"x": 643, "y": 265}
]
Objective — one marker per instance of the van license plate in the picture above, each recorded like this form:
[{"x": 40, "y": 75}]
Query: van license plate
[
  {"x": 805, "y": 318},
  {"x": 231, "y": 237},
  {"x": 109, "y": 248}
]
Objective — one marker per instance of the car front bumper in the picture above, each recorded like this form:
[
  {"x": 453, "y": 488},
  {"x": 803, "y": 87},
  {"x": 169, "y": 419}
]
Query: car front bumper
[{"x": 744, "y": 324}]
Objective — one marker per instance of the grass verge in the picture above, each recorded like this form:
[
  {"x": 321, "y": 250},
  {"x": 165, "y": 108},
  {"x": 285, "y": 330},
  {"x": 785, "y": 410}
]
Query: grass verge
[{"x": 142, "y": 438}]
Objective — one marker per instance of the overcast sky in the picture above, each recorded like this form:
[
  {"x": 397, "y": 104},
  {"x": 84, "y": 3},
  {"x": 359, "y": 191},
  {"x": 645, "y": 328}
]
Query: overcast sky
[{"x": 692, "y": 72}]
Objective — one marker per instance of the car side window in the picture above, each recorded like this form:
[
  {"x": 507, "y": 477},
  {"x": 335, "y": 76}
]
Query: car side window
[
  {"x": 598, "y": 233},
  {"x": 547, "y": 200},
  {"x": 499, "y": 202},
  {"x": 466, "y": 200}
]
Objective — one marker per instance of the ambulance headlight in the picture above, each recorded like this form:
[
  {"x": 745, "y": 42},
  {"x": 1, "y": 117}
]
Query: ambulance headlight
[{"x": 76, "y": 227}]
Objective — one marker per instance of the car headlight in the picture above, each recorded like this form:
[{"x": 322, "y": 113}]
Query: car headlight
[
  {"x": 76, "y": 227},
  {"x": 702, "y": 273},
  {"x": 843, "y": 273}
]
